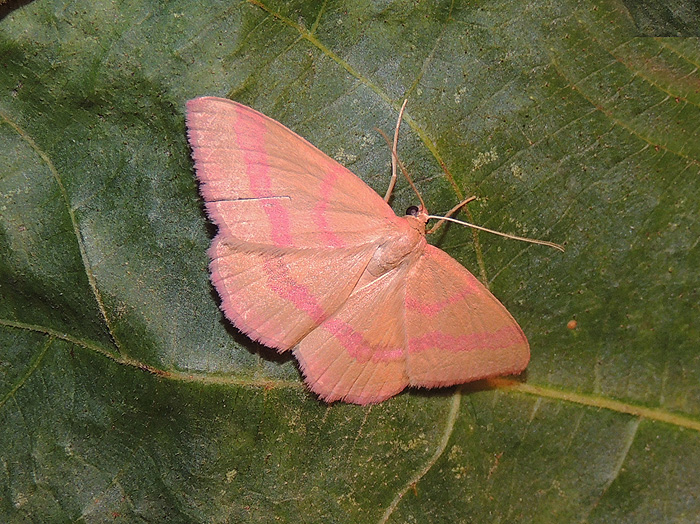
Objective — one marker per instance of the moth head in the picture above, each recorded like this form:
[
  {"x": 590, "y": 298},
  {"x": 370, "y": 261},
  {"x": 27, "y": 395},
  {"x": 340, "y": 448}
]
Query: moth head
[{"x": 417, "y": 216}]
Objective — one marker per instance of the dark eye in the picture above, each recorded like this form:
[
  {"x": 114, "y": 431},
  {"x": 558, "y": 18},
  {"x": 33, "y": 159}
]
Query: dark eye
[{"x": 413, "y": 211}]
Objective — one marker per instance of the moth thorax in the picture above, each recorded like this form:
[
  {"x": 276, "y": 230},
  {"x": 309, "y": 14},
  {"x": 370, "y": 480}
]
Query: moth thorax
[{"x": 397, "y": 250}]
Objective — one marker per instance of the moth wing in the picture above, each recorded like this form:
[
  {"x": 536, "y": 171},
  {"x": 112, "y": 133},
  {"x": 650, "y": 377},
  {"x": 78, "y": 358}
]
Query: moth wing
[
  {"x": 278, "y": 297},
  {"x": 429, "y": 323},
  {"x": 264, "y": 184},
  {"x": 358, "y": 354},
  {"x": 457, "y": 331}
]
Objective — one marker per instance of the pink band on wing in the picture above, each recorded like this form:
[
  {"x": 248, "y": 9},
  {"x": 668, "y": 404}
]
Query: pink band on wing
[
  {"x": 251, "y": 140},
  {"x": 430, "y": 309},
  {"x": 357, "y": 346},
  {"x": 281, "y": 282},
  {"x": 505, "y": 337},
  {"x": 320, "y": 209}
]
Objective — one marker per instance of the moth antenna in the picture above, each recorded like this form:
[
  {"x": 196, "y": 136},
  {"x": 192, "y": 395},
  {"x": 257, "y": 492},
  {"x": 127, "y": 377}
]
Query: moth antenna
[
  {"x": 466, "y": 201},
  {"x": 396, "y": 161},
  {"x": 449, "y": 214},
  {"x": 480, "y": 228},
  {"x": 441, "y": 219},
  {"x": 394, "y": 153}
]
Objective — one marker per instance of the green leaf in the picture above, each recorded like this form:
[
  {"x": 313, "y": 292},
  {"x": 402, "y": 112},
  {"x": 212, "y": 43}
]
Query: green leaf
[{"x": 125, "y": 395}]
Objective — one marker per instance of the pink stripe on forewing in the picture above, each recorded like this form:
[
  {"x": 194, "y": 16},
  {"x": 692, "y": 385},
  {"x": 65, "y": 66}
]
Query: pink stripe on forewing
[
  {"x": 502, "y": 338},
  {"x": 320, "y": 209},
  {"x": 251, "y": 140}
]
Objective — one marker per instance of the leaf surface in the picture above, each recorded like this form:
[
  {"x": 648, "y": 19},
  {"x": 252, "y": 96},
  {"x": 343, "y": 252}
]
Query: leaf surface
[{"x": 126, "y": 396}]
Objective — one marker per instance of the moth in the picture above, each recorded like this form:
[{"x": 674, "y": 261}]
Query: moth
[{"x": 310, "y": 259}]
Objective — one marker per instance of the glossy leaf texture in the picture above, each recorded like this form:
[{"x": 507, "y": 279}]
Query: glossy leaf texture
[{"x": 125, "y": 395}]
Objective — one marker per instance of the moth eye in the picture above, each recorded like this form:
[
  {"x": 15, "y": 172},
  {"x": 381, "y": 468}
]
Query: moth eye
[{"x": 413, "y": 211}]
